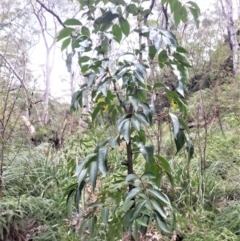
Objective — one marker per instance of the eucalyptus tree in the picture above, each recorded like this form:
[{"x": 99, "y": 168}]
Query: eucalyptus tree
[
  {"x": 227, "y": 9},
  {"x": 118, "y": 84}
]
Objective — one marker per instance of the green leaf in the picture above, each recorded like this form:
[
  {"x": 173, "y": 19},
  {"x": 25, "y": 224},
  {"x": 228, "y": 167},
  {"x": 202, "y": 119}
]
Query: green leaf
[
  {"x": 144, "y": 224},
  {"x": 172, "y": 4},
  {"x": 181, "y": 58},
  {"x": 195, "y": 10},
  {"x": 158, "y": 207},
  {"x": 180, "y": 140},
  {"x": 134, "y": 102},
  {"x": 158, "y": 85},
  {"x": 142, "y": 118},
  {"x": 105, "y": 214},
  {"x": 85, "y": 31},
  {"x": 131, "y": 177},
  {"x": 84, "y": 163},
  {"x": 133, "y": 193},
  {"x": 114, "y": 142},
  {"x": 132, "y": 8},
  {"x": 93, "y": 171},
  {"x": 175, "y": 124},
  {"x": 161, "y": 223},
  {"x": 106, "y": 18},
  {"x": 177, "y": 12},
  {"x": 147, "y": 152},
  {"x": 184, "y": 125},
  {"x": 117, "y": 33},
  {"x": 82, "y": 175},
  {"x": 72, "y": 21},
  {"x": 125, "y": 129},
  {"x": 65, "y": 43},
  {"x": 164, "y": 164},
  {"x": 95, "y": 204},
  {"x": 127, "y": 205},
  {"x": 142, "y": 136},
  {"x": 102, "y": 159},
  {"x": 84, "y": 59},
  {"x": 152, "y": 52},
  {"x": 125, "y": 27},
  {"x": 148, "y": 175},
  {"x": 181, "y": 50},
  {"x": 141, "y": 222},
  {"x": 184, "y": 14},
  {"x": 136, "y": 124},
  {"x": 96, "y": 110},
  {"x": 66, "y": 32},
  {"x": 162, "y": 57},
  {"x": 159, "y": 195}
]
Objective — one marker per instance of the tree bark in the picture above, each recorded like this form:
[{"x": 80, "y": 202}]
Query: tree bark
[{"x": 232, "y": 36}]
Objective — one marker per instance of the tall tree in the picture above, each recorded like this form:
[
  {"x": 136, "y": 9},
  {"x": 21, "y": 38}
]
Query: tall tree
[{"x": 227, "y": 9}]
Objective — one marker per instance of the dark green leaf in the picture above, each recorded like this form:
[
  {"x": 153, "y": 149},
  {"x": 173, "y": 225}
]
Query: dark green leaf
[
  {"x": 152, "y": 52},
  {"x": 114, "y": 116},
  {"x": 142, "y": 136},
  {"x": 105, "y": 214},
  {"x": 102, "y": 159},
  {"x": 96, "y": 110},
  {"x": 72, "y": 21},
  {"x": 84, "y": 163},
  {"x": 158, "y": 85},
  {"x": 132, "y": 8},
  {"x": 180, "y": 140},
  {"x": 184, "y": 125},
  {"x": 182, "y": 59},
  {"x": 83, "y": 59},
  {"x": 164, "y": 164},
  {"x": 134, "y": 102},
  {"x": 125, "y": 27},
  {"x": 66, "y": 32},
  {"x": 177, "y": 12},
  {"x": 125, "y": 130},
  {"x": 65, "y": 43},
  {"x": 159, "y": 195},
  {"x": 136, "y": 124},
  {"x": 161, "y": 223},
  {"x": 133, "y": 193},
  {"x": 195, "y": 15},
  {"x": 85, "y": 31},
  {"x": 106, "y": 18},
  {"x": 127, "y": 205},
  {"x": 158, "y": 207},
  {"x": 93, "y": 171},
  {"x": 117, "y": 33},
  {"x": 184, "y": 14},
  {"x": 181, "y": 50},
  {"x": 172, "y": 4},
  {"x": 147, "y": 152},
  {"x": 142, "y": 118}
]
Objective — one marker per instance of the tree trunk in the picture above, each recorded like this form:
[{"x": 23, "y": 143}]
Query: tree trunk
[{"x": 232, "y": 36}]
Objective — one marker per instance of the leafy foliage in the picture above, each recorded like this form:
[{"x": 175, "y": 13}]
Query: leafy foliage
[{"x": 119, "y": 88}]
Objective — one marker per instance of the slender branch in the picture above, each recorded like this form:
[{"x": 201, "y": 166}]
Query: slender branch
[
  {"x": 17, "y": 75},
  {"x": 54, "y": 14}
]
